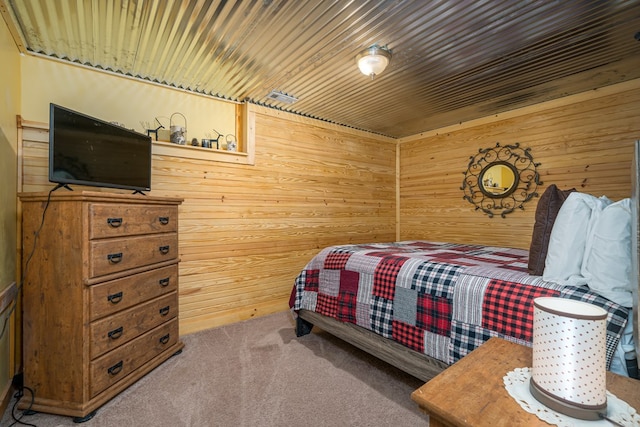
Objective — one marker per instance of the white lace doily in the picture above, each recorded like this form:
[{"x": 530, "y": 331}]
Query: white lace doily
[{"x": 517, "y": 384}]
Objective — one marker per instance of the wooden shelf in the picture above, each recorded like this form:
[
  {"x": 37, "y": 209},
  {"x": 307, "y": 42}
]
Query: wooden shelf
[
  {"x": 190, "y": 152},
  {"x": 246, "y": 118}
]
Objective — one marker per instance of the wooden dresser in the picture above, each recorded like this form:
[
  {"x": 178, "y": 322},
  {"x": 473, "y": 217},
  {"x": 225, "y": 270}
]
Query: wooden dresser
[{"x": 100, "y": 295}]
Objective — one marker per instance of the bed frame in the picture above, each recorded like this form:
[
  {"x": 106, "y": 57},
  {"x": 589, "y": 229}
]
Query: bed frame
[
  {"x": 412, "y": 362},
  {"x": 424, "y": 367}
]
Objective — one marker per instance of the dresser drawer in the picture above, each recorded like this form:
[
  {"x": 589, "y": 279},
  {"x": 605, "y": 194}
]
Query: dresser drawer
[
  {"x": 111, "y": 332},
  {"x": 115, "y": 295},
  {"x": 114, "y": 255},
  {"x": 114, "y": 220},
  {"x": 117, "y": 364}
]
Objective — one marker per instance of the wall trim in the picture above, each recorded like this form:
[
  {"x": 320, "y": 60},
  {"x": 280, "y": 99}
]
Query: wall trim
[
  {"x": 398, "y": 158},
  {"x": 6, "y": 396},
  {"x": 7, "y": 296}
]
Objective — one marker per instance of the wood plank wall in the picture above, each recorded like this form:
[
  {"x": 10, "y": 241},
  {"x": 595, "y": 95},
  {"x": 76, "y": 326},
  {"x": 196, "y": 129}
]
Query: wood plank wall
[
  {"x": 246, "y": 231},
  {"x": 582, "y": 142}
]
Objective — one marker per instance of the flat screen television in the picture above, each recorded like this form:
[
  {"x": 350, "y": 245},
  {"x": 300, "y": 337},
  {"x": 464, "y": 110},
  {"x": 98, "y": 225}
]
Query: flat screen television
[{"x": 84, "y": 150}]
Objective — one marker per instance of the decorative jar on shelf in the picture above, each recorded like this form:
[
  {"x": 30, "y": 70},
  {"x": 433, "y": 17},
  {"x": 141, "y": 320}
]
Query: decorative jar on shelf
[
  {"x": 178, "y": 133},
  {"x": 232, "y": 144}
]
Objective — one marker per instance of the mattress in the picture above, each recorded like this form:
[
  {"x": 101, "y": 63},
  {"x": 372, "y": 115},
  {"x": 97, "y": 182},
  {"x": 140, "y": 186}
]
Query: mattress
[{"x": 440, "y": 299}]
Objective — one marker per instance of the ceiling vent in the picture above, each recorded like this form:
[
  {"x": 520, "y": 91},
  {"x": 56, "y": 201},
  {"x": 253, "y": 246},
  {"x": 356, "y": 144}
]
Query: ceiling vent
[{"x": 282, "y": 97}]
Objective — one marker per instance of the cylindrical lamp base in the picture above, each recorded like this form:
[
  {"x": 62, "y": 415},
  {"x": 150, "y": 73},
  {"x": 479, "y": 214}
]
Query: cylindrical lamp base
[
  {"x": 583, "y": 412},
  {"x": 569, "y": 357}
]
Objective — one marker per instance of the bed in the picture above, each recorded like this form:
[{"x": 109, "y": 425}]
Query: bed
[{"x": 423, "y": 305}]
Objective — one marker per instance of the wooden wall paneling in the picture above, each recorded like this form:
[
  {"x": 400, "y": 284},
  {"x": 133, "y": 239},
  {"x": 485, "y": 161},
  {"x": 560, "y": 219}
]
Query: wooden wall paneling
[
  {"x": 247, "y": 230},
  {"x": 586, "y": 144},
  {"x": 301, "y": 195}
]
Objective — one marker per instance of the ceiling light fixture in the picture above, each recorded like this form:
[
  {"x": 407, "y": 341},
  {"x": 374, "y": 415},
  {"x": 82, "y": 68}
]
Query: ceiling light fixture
[{"x": 372, "y": 61}]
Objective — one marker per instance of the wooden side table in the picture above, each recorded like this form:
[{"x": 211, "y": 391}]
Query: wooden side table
[{"x": 471, "y": 392}]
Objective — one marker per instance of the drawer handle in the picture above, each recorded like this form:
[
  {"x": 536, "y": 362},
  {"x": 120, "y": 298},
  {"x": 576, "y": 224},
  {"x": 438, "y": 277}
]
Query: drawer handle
[
  {"x": 114, "y": 222},
  {"x": 164, "y": 220},
  {"x": 164, "y": 282},
  {"x": 164, "y": 339},
  {"x": 115, "y": 369},
  {"x": 164, "y": 311},
  {"x": 115, "y": 258},
  {"x": 116, "y": 333},
  {"x": 115, "y": 298},
  {"x": 164, "y": 249}
]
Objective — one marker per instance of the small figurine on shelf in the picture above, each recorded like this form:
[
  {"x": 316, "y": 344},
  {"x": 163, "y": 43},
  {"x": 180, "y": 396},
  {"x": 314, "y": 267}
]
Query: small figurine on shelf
[
  {"x": 154, "y": 131},
  {"x": 216, "y": 139}
]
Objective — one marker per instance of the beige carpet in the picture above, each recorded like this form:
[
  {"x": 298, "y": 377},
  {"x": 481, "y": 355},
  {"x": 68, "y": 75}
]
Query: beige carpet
[{"x": 258, "y": 373}]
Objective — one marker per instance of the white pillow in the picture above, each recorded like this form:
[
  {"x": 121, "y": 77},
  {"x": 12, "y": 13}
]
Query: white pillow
[
  {"x": 607, "y": 265},
  {"x": 569, "y": 237}
]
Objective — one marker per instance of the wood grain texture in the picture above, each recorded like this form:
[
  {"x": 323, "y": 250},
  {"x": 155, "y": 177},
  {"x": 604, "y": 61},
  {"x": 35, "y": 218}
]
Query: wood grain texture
[
  {"x": 246, "y": 231},
  {"x": 485, "y": 401},
  {"x": 587, "y": 145},
  {"x": 72, "y": 365}
]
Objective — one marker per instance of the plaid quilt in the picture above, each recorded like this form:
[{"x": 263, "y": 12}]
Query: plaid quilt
[{"x": 441, "y": 299}]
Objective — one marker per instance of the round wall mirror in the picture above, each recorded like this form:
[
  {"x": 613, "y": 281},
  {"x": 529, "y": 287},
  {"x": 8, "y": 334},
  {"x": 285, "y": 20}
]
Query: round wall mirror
[
  {"x": 501, "y": 179},
  {"x": 498, "y": 179}
]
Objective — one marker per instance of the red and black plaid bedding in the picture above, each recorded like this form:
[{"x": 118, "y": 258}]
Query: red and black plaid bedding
[{"x": 441, "y": 299}]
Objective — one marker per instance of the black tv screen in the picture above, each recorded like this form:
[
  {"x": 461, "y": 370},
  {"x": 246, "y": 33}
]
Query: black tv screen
[{"x": 84, "y": 150}]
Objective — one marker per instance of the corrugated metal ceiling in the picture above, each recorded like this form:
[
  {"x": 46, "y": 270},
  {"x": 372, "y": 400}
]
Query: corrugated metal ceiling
[{"x": 452, "y": 61}]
